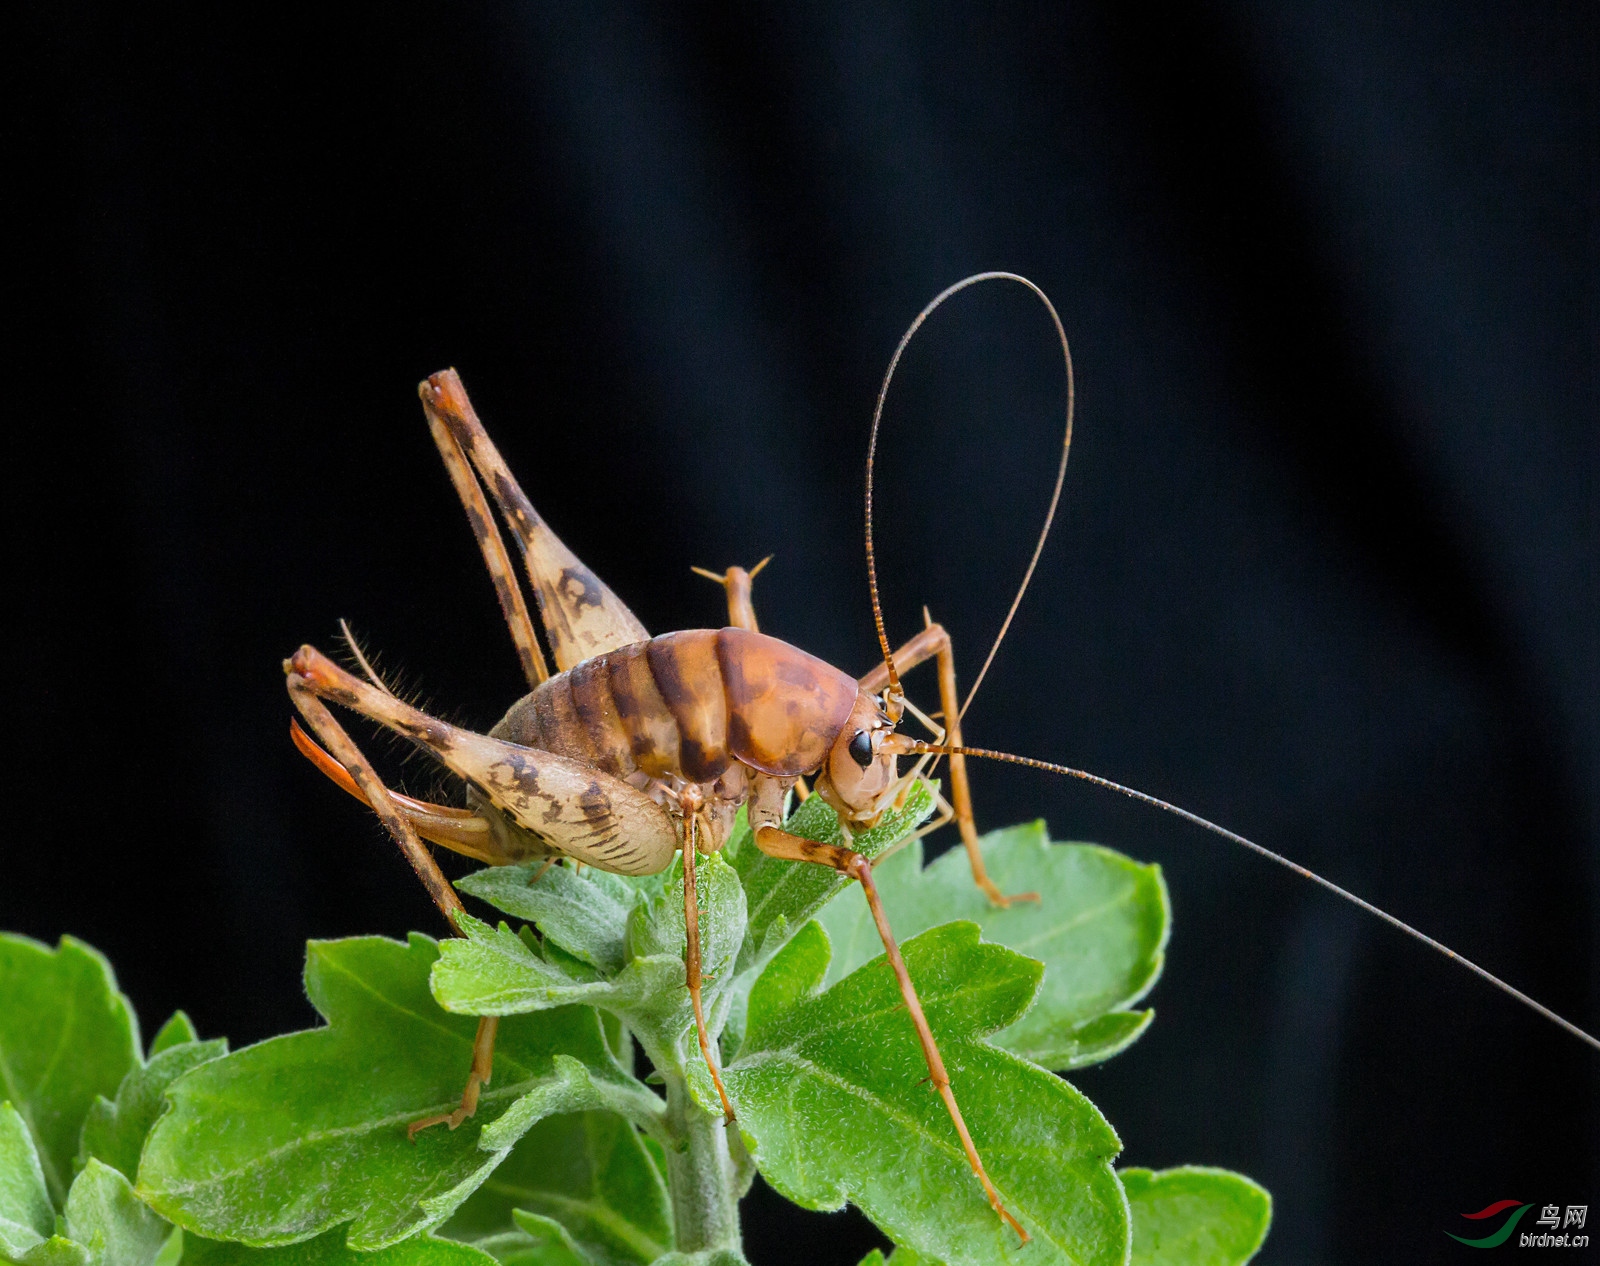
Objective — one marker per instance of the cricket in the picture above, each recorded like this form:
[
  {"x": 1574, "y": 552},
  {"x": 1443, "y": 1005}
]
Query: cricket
[{"x": 636, "y": 749}]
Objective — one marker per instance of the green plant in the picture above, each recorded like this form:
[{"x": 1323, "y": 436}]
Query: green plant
[{"x": 294, "y": 1151}]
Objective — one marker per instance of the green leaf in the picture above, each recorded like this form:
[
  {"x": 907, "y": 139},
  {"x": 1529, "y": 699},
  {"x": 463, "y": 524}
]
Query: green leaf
[
  {"x": 287, "y": 1139},
  {"x": 172, "y": 1251},
  {"x": 105, "y": 1217},
  {"x": 1193, "y": 1216},
  {"x": 551, "y": 1240},
  {"x": 178, "y": 1029},
  {"x": 66, "y": 1035},
  {"x": 903, "y": 1256},
  {"x": 708, "y": 1257},
  {"x": 586, "y": 914},
  {"x": 519, "y": 1248},
  {"x": 1100, "y": 927},
  {"x": 58, "y": 1250},
  {"x": 27, "y": 1217},
  {"x": 330, "y": 1250},
  {"x": 829, "y": 1091},
  {"x": 590, "y": 1173},
  {"x": 656, "y": 925},
  {"x": 492, "y": 971},
  {"x": 115, "y": 1131}
]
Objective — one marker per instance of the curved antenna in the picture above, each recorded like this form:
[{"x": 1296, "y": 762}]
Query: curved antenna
[
  {"x": 894, "y": 691},
  {"x": 912, "y": 747}
]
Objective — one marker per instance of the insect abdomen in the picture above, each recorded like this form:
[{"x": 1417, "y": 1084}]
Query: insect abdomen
[{"x": 689, "y": 704}]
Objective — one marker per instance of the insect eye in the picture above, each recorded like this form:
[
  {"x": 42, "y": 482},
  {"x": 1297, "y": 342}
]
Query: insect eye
[{"x": 861, "y": 748}]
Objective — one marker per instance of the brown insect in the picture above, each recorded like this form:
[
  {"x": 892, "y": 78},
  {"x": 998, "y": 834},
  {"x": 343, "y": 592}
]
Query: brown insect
[{"x": 638, "y": 748}]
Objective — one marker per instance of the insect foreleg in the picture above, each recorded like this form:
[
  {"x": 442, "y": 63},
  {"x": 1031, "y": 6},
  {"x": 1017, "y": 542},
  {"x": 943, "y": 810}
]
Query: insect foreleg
[
  {"x": 778, "y": 843},
  {"x": 934, "y": 643}
]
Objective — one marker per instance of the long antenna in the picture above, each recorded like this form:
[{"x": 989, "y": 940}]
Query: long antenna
[
  {"x": 1055, "y": 497},
  {"x": 911, "y": 747}
]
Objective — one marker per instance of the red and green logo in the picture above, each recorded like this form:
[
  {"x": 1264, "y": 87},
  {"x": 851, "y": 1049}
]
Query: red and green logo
[{"x": 1499, "y": 1237}]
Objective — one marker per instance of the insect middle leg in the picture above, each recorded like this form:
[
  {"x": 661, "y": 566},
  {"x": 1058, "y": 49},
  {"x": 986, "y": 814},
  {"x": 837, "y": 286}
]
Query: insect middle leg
[
  {"x": 934, "y": 642},
  {"x": 736, "y": 581},
  {"x": 779, "y": 843},
  {"x": 689, "y": 803}
]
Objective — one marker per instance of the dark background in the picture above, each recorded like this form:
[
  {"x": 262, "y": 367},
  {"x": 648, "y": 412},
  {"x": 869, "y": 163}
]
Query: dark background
[{"x": 1325, "y": 569}]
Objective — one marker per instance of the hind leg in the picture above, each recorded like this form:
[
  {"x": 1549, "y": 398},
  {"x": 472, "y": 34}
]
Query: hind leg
[
  {"x": 373, "y": 791},
  {"x": 512, "y": 604},
  {"x": 582, "y": 616}
]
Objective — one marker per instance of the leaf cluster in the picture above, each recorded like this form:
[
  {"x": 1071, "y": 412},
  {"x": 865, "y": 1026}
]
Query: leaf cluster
[{"x": 295, "y": 1150}]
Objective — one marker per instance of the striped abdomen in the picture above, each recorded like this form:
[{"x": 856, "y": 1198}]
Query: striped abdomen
[{"x": 689, "y": 704}]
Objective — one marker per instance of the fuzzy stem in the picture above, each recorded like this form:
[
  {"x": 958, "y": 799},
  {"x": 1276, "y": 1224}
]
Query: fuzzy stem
[{"x": 700, "y": 1174}]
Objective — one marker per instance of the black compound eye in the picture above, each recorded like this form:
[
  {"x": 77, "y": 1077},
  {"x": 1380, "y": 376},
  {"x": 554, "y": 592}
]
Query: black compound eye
[{"x": 861, "y": 748}]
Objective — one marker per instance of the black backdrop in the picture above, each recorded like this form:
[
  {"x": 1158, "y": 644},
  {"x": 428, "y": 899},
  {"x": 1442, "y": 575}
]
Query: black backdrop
[{"x": 1325, "y": 571}]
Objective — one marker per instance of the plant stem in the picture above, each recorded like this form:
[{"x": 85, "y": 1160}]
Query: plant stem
[{"x": 705, "y": 1206}]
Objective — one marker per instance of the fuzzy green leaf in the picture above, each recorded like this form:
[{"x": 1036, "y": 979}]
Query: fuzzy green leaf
[
  {"x": 551, "y": 1240},
  {"x": 546, "y": 1248},
  {"x": 1100, "y": 927},
  {"x": 178, "y": 1029},
  {"x": 1193, "y": 1216},
  {"x": 589, "y": 1172},
  {"x": 493, "y": 971},
  {"x": 656, "y": 925},
  {"x": 707, "y": 1257},
  {"x": 27, "y": 1217},
  {"x": 105, "y": 1217},
  {"x": 58, "y": 1250},
  {"x": 330, "y": 1250},
  {"x": 115, "y": 1131},
  {"x": 290, "y": 1138},
  {"x": 901, "y": 1256},
  {"x": 586, "y": 914},
  {"x": 829, "y": 1088},
  {"x": 66, "y": 1035}
]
